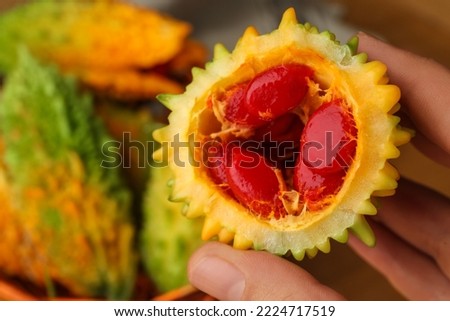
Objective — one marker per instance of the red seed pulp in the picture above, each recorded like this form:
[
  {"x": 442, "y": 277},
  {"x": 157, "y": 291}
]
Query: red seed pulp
[
  {"x": 268, "y": 95},
  {"x": 280, "y": 139},
  {"x": 236, "y": 112},
  {"x": 214, "y": 158},
  {"x": 253, "y": 182},
  {"x": 276, "y": 91},
  {"x": 326, "y": 145},
  {"x": 329, "y": 139}
]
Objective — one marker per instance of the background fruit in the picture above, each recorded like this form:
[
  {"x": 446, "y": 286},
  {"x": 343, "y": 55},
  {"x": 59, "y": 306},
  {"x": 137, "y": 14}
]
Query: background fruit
[
  {"x": 66, "y": 218},
  {"x": 167, "y": 239}
]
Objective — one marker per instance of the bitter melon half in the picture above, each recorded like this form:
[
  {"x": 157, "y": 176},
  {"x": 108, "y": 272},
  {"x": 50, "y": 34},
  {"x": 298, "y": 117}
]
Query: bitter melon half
[{"x": 283, "y": 143}]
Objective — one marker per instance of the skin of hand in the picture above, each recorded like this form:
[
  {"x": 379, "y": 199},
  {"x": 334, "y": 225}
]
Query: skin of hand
[{"x": 412, "y": 227}]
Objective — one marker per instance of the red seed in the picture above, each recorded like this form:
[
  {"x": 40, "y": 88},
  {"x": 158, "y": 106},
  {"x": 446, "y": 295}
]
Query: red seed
[
  {"x": 329, "y": 139},
  {"x": 328, "y": 146},
  {"x": 236, "y": 111},
  {"x": 276, "y": 91},
  {"x": 253, "y": 183},
  {"x": 269, "y": 95},
  {"x": 314, "y": 187}
]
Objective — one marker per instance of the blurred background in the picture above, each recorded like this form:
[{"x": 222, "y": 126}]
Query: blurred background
[{"x": 420, "y": 26}]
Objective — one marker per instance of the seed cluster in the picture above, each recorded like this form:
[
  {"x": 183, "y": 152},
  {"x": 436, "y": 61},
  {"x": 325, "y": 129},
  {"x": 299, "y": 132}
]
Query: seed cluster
[{"x": 266, "y": 157}]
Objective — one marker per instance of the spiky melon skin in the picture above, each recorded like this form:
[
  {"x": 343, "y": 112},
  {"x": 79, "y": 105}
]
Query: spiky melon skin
[
  {"x": 347, "y": 75},
  {"x": 167, "y": 238}
]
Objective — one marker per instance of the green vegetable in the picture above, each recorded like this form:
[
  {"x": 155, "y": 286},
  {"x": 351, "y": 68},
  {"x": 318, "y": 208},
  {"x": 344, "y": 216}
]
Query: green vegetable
[
  {"x": 168, "y": 239},
  {"x": 68, "y": 219}
]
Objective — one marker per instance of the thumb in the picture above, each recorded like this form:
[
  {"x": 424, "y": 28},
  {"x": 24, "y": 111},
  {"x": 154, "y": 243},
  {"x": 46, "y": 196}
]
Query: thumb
[{"x": 230, "y": 274}]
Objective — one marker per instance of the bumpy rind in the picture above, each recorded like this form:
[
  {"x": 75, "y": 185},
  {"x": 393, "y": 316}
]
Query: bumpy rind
[
  {"x": 167, "y": 238},
  {"x": 363, "y": 84}
]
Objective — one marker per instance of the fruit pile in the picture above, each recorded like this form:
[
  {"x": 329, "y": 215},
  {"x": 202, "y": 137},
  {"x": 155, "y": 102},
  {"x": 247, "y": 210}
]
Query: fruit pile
[{"x": 281, "y": 145}]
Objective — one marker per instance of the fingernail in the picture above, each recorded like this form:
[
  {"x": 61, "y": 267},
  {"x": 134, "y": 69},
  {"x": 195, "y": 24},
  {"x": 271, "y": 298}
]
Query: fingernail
[
  {"x": 362, "y": 34},
  {"x": 218, "y": 278}
]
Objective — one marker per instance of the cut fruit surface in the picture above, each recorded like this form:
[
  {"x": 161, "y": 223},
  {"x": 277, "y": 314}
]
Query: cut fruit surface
[{"x": 304, "y": 126}]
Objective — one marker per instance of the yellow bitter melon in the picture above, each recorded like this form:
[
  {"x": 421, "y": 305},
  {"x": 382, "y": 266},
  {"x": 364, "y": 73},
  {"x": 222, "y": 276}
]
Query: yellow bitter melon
[
  {"x": 296, "y": 84},
  {"x": 112, "y": 46}
]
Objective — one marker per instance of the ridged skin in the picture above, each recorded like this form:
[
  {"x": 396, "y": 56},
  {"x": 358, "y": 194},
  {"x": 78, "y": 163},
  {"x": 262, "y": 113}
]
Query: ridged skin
[{"x": 167, "y": 239}]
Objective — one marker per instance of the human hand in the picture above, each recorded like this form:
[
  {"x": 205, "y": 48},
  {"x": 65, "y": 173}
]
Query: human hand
[{"x": 412, "y": 227}]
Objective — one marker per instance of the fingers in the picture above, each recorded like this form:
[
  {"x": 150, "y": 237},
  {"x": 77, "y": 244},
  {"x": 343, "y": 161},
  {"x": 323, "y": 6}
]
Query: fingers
[
  {"x": 422, "y": 218},
  {"x": 230, "y": 274},
  {"x": 411, "y": 272},
  {"x": 423, "y": 144},
  {"x": 413, "y": 242},
  {"x": 424, "y": 84},
  {"x": 431, "y": 150}
]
